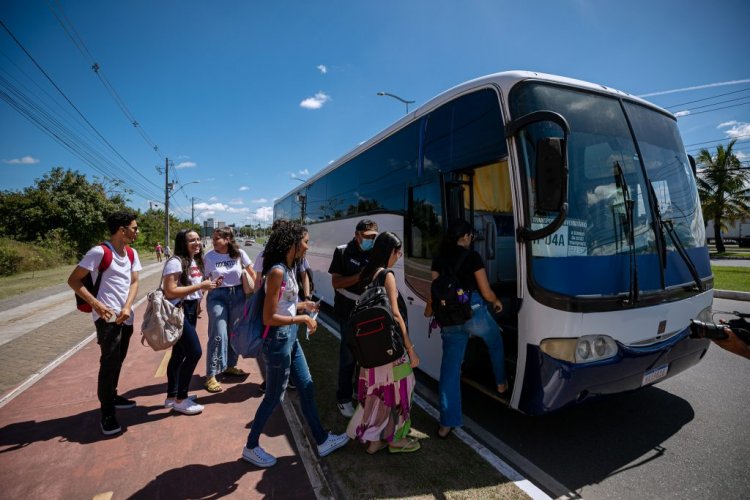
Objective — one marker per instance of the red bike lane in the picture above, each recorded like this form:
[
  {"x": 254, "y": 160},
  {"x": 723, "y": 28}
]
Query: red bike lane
[{"x": 51, "y": 445}]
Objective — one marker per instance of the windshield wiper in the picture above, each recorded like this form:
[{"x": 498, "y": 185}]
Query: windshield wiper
[
  {"x": 675, "y": 238},
  {"x": 621, "y": 183}
]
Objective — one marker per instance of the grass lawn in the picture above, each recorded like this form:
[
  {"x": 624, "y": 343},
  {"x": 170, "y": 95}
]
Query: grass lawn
[
  {"x": 443, "y": 468},
  {"x": 25, "y": 282},
  {"x": 731, "y": 278}
]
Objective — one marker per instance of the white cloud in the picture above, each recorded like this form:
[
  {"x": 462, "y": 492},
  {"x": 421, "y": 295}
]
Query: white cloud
[
  {"x": 260, "y": 200},
  {"x": 219, "y": 207},
  {"x": 264, "y": 214},
  {"x": 735, "y": 129},
  {"x": 315, "y": 102},
  {"x": 244, "y": 188},
  {"x": 237, "y": 201},
  {"x": 186, "y": 164},
  {"x": 25, "y": 160},
  {"x": 213, "y": 198},
  {"x": 322, "y": 68},
  {"x": 681, "y": 113}
]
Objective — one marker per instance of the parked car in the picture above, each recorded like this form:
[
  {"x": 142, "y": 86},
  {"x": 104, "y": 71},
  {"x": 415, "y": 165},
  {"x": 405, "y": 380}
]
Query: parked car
[{"x": 248, "y": 243}]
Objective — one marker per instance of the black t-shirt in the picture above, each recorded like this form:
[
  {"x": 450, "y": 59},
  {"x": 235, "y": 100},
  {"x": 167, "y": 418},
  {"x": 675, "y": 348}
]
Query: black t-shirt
[
  {"x": 348, "y": 260},
  {"x": 472, "y": 263}
]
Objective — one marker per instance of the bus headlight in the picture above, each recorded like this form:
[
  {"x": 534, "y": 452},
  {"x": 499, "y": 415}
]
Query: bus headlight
[
  {"x": 705, "y": 315},
  {"x": 581, "y": 350}
]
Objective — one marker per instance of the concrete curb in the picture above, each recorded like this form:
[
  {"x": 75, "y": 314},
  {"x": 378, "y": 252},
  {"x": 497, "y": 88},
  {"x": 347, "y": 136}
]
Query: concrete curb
[{"x": 731, "y": 294}]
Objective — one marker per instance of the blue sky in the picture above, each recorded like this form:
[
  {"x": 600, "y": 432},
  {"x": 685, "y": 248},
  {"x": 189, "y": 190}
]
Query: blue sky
[{"x": 244, "y": 95}]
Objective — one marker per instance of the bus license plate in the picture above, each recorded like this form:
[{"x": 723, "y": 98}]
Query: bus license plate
[{"x": 652, "y": 376}]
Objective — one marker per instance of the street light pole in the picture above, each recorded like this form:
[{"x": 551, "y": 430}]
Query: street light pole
[{"x": 398, "y": 99}]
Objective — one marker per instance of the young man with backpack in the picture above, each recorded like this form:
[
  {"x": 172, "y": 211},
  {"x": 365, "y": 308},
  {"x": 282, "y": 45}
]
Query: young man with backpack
[
  {"x": 114, "y": 267},
  {"x": 346, "y": 268}
]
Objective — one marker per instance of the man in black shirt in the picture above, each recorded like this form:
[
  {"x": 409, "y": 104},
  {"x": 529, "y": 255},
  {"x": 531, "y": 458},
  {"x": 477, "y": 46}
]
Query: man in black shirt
[{"x": 346, "y": 266}]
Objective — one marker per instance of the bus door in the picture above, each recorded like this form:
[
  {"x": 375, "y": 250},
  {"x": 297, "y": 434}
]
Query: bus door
[{"x": 482, "y": 196}]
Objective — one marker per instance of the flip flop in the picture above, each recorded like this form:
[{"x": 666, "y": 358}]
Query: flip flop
[
  {"x": 383, "y": 445},
  {"x": 412, "y": 446}
]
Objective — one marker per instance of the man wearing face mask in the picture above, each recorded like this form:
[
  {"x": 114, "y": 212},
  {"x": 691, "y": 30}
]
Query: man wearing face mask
[{"x": 346, "y": 267}]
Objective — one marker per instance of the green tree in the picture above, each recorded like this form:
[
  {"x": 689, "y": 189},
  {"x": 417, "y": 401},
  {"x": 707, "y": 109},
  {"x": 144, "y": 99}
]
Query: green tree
[
  {"x": 721, "y": 185},
  {"x": 61, "y": 200}
]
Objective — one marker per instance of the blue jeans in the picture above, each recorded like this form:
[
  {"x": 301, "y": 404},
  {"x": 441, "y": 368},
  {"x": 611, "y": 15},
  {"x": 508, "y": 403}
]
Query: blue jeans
[
  {"x": 455, "y": 338},
  {"x": 113, "y": 340},
  {"x": 225, "y": 305},
  {"x": 347, "y": 366},
  {"x": 283, "y": 357},
  {"x": 185, "y": 354}
]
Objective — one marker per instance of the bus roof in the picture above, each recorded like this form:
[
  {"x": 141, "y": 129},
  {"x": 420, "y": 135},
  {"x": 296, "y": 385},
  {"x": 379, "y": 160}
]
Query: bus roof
[{"x": 504, "y": 80}]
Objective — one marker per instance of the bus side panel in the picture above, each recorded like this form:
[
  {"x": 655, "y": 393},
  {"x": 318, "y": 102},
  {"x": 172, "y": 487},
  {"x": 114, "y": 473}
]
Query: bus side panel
[{"x": 326, "y": 236}]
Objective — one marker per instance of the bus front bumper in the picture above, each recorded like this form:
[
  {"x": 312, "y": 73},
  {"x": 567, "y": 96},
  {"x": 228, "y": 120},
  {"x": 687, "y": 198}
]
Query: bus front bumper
[{"x": 551, "y": 384}]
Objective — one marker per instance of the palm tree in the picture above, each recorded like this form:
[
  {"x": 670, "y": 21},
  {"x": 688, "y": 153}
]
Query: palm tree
[{"x": 722, "y": 184}]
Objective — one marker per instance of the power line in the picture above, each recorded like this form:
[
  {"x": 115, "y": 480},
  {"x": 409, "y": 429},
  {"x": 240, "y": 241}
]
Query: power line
[
  {"x": 716, "y": 109},
  {"x": 717, "y": 140},
  {"x": 707, "y": 98},
  {"x": 720, "y": 102},
  {"x": 59, "y": 90},
  {"x": 70, "y": 30}
]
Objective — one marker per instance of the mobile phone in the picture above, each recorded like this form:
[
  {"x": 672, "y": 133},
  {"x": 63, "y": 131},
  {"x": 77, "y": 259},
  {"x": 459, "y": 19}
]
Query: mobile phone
[
  {"x": 699, "y": 329},
  {"x": 314, "y": 314}
]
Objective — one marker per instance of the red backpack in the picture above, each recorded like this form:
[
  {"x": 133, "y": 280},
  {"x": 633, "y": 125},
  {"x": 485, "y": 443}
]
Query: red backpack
[{"x": 89, "y": 284}]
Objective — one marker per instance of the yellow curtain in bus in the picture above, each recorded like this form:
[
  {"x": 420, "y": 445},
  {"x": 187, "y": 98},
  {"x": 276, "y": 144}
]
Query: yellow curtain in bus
[{"x": 492, "y": 188}]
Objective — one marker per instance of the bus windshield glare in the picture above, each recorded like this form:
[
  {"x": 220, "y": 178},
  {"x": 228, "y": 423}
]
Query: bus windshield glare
[{"x": 626, "y": 162}]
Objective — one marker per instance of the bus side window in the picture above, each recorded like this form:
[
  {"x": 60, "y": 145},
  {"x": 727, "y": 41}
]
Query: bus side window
[{"x": 423, "y": 231}]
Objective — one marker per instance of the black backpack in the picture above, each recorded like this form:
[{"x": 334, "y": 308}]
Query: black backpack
[
  {"x": 451, "y": 304},
  {"x": 375, "y": 338}
]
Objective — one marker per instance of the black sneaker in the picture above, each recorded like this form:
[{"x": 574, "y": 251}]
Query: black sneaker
[
  {"x": 110, "y": 425},
  {"x": 123, "y": 404}
]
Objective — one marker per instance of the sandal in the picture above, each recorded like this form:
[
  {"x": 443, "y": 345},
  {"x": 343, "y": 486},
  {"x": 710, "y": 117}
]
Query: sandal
[
  {"x": 235, "y": 372},
  {"x": 212, "y": 385},
  {"x": 411, "y": 446},
  {"x": 382, "y": 445},
  {"x": 442, "y": 434}
]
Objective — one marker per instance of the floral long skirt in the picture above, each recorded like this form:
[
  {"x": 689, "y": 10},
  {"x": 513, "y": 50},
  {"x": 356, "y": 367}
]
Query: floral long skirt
[{"x": 384, "y": 397}]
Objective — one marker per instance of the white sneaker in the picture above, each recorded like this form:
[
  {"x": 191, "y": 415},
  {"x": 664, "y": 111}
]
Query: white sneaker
[
  {"x": 258, "y": 456},
  {"x": 169, "y": 402},
  {"x": 346, "y": 409},
  {"x": 188, "y": 407},
  {"x": 332, "y": 443}
]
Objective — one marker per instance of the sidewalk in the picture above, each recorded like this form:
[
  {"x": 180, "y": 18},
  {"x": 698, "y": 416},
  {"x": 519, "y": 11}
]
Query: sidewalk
[{"x": 51, "y": 445}]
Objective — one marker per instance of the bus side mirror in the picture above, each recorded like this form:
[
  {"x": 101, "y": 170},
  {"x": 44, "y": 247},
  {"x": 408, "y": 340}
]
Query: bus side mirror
[
  {"x": 693, "y": 165},
  {"x": 551, "y": 174}
]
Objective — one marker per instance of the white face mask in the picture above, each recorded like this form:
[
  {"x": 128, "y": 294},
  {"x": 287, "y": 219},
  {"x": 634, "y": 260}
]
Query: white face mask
[{"x": 367, "y": 244}]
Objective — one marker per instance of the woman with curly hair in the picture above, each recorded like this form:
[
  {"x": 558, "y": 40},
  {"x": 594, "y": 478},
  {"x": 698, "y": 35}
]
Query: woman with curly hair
[
  {"x": 382, "y": 418},
  {"x": 282, "y": 352},
  {"x": 225, "y": 264}
]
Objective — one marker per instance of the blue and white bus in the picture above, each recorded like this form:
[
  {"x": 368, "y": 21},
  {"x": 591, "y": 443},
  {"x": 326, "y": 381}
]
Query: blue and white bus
[{"x": 587, "y": 217}]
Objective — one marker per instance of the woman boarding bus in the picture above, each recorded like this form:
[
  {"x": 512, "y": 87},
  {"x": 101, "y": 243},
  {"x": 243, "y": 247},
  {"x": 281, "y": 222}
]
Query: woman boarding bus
[{"x": 586, "y": 215}]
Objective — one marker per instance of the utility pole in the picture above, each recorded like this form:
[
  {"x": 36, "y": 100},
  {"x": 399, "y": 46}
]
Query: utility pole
[
  {"x": 192, "y": 211},
  {"x": 166, "y": 201}
]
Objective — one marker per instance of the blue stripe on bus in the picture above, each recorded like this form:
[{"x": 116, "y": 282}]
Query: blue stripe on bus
[
  {"x": 608, "y": 275},
  {"x": 550, "y": 384}
]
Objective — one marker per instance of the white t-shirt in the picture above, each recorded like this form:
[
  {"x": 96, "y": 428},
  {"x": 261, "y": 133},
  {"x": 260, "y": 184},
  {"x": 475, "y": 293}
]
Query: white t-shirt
[
  {"x": 289, "y": 295},
  {"x": 195, "y": 276},
  {"x": 116, "y": 280},
  {"x": 221, "y": 264}
]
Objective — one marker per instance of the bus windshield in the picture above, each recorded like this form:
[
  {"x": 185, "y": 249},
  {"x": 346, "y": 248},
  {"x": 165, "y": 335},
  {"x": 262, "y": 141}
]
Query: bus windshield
[{"x": 612, "y": 240}]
